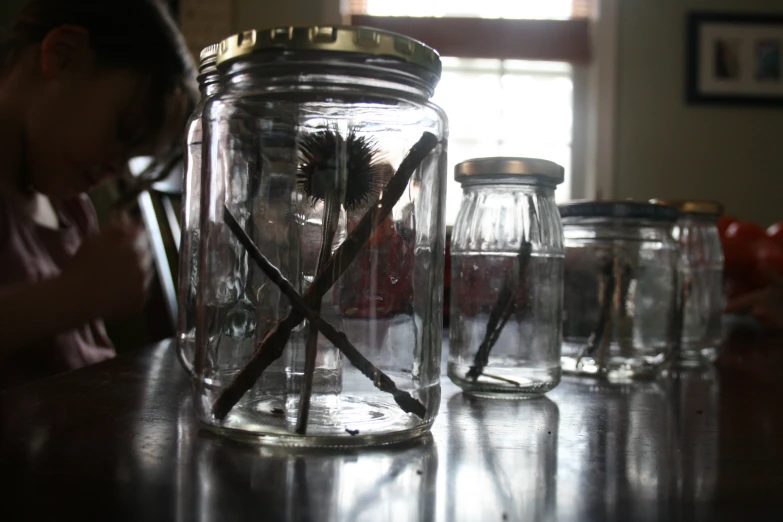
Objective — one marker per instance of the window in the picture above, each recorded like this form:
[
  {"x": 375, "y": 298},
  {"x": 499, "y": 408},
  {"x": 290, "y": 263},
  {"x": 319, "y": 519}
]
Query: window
[
  {"x": 522, "y": 9},
  {"x": 498, "y": 105},
  {"x": 506, "y": 108}
]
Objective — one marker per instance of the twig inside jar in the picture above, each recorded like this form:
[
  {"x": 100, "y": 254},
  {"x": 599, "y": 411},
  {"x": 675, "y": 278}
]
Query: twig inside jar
[
  {"x": 381, "y": 381},
  {"x": 596, "y": 338},
  {"x": 272, "y": 346},
  {"x": 500, "y": 314},
  {"x": 341, "y": 172}
]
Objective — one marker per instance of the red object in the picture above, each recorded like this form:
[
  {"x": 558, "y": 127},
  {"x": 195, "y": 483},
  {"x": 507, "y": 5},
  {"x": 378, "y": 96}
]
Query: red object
[
  {"x": 738, "y": 256},
  {"x": 769, "y": 258},
  {"x": 724, "y": 222},
  {"x": 380, "y": 282},
  {"x": 775, "y": 232},
  {"x": 734, "y": 288},
  {"x": 745, "y": 231}
]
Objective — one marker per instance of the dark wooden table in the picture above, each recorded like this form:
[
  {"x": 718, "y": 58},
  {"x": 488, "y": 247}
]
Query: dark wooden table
[{"x": 117, "y": 441}]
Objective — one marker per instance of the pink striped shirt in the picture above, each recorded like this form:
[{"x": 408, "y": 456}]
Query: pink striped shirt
[{"x": 30, "y": 252}]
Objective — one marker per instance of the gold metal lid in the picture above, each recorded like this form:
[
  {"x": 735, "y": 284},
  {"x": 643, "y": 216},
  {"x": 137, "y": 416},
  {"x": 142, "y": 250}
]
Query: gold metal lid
[
  {"x": 500, "y": 166},
  {"x": 692, "y": 206},
  {"x": 351, "y": 39}
]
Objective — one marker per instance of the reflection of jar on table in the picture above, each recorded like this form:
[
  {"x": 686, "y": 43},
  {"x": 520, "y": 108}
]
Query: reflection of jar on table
[{"x": 502, "y": 462}]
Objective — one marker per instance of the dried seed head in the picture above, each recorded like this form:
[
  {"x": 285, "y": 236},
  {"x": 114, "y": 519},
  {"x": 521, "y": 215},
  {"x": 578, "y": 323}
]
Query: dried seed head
[{"x": 333, "y": 165}]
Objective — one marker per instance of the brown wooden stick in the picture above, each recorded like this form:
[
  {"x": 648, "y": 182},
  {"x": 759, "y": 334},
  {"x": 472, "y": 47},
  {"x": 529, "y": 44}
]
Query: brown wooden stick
[
  {"x": 331, "y": 216},
  {"x": 381, "y": 381},
  {"x": 271, "y": 348},
  {"x": 501, "y": 312},
  {"x": 594, "y": 341}
]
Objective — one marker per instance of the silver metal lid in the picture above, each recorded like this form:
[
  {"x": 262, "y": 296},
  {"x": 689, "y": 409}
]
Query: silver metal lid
[
  {"x": 207, "y": 69},
  {"x": 208, "y": 53},
  {"x": 500, "y": 166}
]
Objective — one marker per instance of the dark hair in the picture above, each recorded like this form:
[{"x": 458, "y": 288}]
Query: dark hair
[{"x": 135, "y": 34}]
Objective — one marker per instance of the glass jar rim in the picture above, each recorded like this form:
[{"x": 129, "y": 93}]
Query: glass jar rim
[
  {"x": 618, "y": 209},
  {"x": 702, "y": 207}
]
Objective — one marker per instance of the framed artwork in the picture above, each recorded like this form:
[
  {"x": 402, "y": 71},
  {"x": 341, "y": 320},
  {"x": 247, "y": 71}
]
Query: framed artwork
[{"x": 734, "y": 59}]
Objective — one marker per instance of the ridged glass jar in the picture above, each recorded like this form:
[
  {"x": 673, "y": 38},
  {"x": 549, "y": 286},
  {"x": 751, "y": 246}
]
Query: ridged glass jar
[
  {"x": 324, "y": 200},
  {"x": 209, "y": 85},
  {"x": 506, "y": 279},
  {"x": 620, "y": 298}
]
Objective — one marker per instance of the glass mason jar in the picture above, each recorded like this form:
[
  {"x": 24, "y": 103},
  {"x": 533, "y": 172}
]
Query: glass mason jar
[
  {"x": 506, "y": 278},
  {"x": 619, "y": 288},
  {"x": 701, "y": 279},
  {"x": 325, "y": 193},
  {"x": 209, "y": 85}
]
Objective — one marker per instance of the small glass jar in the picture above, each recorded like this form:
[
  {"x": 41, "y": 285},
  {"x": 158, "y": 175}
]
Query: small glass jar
[
  {"x": 701, "y": 279},
  {"x": 209, "y": 85},
  {"x": 506, "y": 278},
  {"x": 324, "y": 198},
  {"x": 620, "y": 288}
]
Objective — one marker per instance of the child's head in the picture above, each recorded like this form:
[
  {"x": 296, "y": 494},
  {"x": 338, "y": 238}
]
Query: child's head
[{"x": 92, "y": 83}]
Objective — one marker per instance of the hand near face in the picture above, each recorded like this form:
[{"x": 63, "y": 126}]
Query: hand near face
[{"x": 112, "y": 271}]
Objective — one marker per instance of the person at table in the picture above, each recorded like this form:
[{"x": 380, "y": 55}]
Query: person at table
[{"x": 84, "y": 86}]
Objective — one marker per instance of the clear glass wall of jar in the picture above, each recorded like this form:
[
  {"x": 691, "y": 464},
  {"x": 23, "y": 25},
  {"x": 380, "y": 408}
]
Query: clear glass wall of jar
[
  {"x": 619, "y": 288},
  {"x": 326, "y": 164},
  {"x": 701, "y": 279},
  {"x": 209, "y": 85},
  {"x": 506, "y": 278}
]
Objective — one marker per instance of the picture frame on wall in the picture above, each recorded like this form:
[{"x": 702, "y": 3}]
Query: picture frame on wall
[{"x": 734, "y": 59}]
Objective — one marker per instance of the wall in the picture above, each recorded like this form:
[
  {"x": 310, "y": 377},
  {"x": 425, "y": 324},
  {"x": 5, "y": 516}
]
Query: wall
[
  {"x": 666, "y": 148},
  {"x": 258, "y": 14}
]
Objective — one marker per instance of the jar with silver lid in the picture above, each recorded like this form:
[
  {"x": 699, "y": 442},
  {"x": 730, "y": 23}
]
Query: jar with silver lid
[
  {"x": 506, "y": 278},
  {"x": 620, "y": 298},
  {"x": 319, "y": 303},
  {"x": 701, "y": 279},
  {"x": 209, "y": 85}
]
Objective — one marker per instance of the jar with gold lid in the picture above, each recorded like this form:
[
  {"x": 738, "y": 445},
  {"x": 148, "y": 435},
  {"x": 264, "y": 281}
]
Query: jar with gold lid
[
  {"x": 700, "y": 269},
  {"x": 319, "y": 309}
]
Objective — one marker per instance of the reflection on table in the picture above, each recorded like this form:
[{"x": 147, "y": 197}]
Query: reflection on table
[{"x": 119, "y": 442}]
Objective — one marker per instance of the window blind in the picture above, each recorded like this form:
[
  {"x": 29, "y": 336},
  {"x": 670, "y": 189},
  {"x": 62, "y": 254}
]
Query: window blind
[{"x": 539, "y": 9}]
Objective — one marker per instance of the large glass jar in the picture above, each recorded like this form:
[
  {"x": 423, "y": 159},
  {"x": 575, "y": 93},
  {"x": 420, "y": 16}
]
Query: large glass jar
[
  {"x": 209, "y": 85},
  {"x": 701, "y": 279},
  {"x": 620, "y": 298},
  {"x": 325, "y": 200},
  {"x": 506, "y": 278}
]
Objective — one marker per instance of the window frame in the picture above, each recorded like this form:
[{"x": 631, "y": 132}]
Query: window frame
[{"x": 589, "y": 43}]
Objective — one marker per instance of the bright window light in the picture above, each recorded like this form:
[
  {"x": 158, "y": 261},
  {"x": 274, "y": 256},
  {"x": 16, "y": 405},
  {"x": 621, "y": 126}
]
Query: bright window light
[{"x": 506, "y": 108}]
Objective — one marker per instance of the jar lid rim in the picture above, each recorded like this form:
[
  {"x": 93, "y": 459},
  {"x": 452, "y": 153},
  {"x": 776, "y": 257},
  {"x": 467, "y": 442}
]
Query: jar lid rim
[
  {"x": 692, "y": 206},
  {"x": 618, "y": 209},
  {"x": 509, "y": 166},
  {"x": 209, "y": 53},
  {"x": 335, "y": 38}
]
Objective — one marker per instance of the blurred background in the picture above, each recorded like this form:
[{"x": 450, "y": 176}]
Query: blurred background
[{"x": 595, "y": 85}]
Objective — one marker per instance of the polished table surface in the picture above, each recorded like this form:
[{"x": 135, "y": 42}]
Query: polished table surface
[{"x": 118, "y": 441}]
